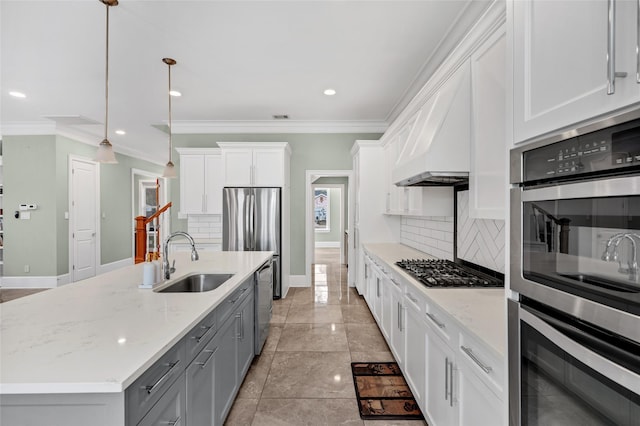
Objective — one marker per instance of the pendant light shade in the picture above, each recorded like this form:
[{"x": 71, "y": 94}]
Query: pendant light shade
[
  {"x": 105, "y": 152},
  {"x": 169, "y": 169}
]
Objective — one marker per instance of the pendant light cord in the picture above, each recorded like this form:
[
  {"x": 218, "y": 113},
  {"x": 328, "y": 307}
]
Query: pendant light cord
[
  {"x": 106, "y": 79},
  {"x": 170, "y": 130}
]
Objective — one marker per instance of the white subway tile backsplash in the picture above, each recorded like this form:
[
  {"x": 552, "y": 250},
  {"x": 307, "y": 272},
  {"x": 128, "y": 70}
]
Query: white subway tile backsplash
[
  {"x": 432, "y": 235},
  {"x": 204, "y": 226}
]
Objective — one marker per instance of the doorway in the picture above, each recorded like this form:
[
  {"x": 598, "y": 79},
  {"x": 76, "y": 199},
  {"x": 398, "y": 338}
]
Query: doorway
[
  {"x": 148, "y": 191},
  {"x": 84, "y": 218},
  {"x": 328, "y": 211}
]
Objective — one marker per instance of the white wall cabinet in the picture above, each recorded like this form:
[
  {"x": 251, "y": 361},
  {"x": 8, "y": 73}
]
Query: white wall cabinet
[
  {"x": 488, "y": 174},
  {"x": 560, "y": 63},
  {"x": 201, "y": 181},
  {"x": 255, "y": 164}
]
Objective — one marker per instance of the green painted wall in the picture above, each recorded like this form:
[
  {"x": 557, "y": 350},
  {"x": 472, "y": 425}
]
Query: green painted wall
[
  {"x": 37, "y": 171},
  {"x": 308, "y": 152},
  {"x": 30, "y": 177}
]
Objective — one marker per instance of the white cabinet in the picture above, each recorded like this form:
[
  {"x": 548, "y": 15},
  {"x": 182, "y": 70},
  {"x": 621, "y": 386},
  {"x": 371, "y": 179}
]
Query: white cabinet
[
  {"x": 255, "y": 164},
  {"x": 370, "y": 224},
  {"x": 201, "y": 181},
  {"x": 397, "y": 332},
  {"x": 488, "y": 174},
  {"x": 440, "y": 403},
  {"x": 477, "y": 401},
  {"x": 561, "y": 67},
  {"x": 415, "y": 346}
]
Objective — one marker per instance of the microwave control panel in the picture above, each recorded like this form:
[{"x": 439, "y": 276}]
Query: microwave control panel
[{"x": 601, "y": 151}]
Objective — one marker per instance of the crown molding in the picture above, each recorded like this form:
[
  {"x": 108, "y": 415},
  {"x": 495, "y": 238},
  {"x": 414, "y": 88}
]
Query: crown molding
[
  {"x": 284, "y": 126},
  {"x": 44, "y": 128}
]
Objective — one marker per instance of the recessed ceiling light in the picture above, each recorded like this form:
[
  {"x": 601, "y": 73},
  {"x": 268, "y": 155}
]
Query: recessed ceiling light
[
  {"x": 330, "y": 92},
  {"x": 175, "y": 93},
  {"x": 18, "y": 94},
  {"x": 120, "y": 132}
]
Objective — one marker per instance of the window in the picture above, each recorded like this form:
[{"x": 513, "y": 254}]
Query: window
[{"x": 321, "y": 205}]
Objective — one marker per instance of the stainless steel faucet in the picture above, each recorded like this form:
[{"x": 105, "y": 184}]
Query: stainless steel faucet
[
  {"x": 168, "y": 270},
  {"x": 632, "y": 262}
]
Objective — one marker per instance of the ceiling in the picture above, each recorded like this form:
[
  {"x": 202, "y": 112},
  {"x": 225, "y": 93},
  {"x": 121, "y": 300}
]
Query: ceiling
[{"x": 238, "y": 64}]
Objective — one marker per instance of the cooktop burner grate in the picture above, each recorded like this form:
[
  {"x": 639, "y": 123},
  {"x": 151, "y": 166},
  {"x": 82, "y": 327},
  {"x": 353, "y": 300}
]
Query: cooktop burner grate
[{"x": 444, "y": 273}]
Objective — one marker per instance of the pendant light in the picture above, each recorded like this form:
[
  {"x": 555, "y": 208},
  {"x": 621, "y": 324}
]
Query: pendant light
[
  {"x": 105, "y": 152},
  {"x": 169, "y": 169}
]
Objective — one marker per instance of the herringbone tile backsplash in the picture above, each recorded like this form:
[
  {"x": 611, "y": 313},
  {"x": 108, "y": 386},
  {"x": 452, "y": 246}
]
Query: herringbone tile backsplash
[{"x": 480, "y": 241}]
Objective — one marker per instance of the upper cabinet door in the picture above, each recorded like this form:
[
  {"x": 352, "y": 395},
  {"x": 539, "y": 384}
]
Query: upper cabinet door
[
  {"x": 563, "y": 62},
  {"x": 238, "y": 166},
  {"x": 268, "y": 167},
  {"x": 488, "y": 177},
  {"x": 191, "y": 184},
  {"x": 214, "y": 182}
]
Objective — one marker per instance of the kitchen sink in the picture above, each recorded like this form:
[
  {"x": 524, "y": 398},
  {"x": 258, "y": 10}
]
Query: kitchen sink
[{"x": 197, "y": 283}]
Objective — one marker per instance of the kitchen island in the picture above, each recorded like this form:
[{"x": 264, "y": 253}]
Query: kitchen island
[{"x": 82, "y": 345}]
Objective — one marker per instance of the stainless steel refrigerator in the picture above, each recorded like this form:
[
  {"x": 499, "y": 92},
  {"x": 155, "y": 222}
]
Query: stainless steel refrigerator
[{"x": 251, "y": 221}]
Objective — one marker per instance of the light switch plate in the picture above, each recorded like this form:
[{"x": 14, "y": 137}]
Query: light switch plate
[{"x": 25, "y": 215}]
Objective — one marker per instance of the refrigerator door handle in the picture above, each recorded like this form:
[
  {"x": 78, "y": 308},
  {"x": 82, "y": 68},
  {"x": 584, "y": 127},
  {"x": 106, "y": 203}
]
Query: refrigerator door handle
[{"x": 251, "y": 218}]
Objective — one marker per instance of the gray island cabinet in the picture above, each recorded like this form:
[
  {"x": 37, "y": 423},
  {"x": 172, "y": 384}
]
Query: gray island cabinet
[{"x": 192, "y": 382}]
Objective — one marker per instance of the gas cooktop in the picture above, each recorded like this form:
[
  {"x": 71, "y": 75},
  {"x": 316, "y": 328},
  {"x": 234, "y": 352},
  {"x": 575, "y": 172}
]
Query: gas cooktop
[{"x": 444, "y": 273}]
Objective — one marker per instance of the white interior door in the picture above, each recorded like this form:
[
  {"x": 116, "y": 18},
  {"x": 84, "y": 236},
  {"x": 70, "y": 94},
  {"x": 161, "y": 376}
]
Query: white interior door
[{"x": 84, "y": 198}]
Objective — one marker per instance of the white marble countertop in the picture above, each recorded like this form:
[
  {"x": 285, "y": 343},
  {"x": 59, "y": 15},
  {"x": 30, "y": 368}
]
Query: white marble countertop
[
  {"x": 480, "y": 311},
  {"x": 99, "y": 335}
]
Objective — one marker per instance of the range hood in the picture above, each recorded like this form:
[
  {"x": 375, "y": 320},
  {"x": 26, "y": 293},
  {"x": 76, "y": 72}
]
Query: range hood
[{"x": 436, "y": 151}]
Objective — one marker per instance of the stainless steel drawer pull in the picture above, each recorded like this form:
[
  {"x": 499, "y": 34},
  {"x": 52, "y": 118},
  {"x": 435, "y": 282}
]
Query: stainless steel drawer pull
[
  {"x": 451, "y": 383},
  {"x": 207, "y": 330},
  {"x": 475, "y": 359},
  {"x": 206, "y": 361},
  {"x": 446, "y": 378},
  {"x": 175, "y": 422},
  {"x": 435, "y": 320},
  {"x": 395, "y": 282},
  {"x": 412, "y": 298},
  {"x": 152, "y": 388}
]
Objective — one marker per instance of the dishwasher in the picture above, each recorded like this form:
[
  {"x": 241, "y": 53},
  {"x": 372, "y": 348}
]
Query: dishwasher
[{"x": 263, "y": 304}]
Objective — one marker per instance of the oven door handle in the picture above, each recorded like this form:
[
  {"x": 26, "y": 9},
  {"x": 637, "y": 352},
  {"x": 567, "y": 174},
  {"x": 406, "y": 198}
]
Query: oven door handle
[
  {"x": 617, "y": 373},
  {"x": 610, "y": 187}
]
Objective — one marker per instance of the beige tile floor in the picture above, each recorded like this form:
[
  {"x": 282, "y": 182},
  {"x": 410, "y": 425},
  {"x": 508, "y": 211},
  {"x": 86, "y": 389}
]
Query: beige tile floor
[
  {"x": 303, "y": 376},
  {"x": 7, "y": 294}
]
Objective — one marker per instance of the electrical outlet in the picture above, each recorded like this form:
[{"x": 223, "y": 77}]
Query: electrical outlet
[{"x": 26, "y": 268}]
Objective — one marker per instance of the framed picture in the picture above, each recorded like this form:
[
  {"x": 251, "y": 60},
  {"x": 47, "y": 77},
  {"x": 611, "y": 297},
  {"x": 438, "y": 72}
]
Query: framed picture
[{"x": 321, "y": 203}]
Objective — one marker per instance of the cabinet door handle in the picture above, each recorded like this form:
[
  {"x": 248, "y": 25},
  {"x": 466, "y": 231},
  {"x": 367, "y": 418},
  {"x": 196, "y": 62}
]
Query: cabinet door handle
[
  {"x": 411, "y": 297},
  {"x": 366, "y": 274},
  {"x": 206, "y": 361},
  {"x": 378, "y": 287},
  {"x": 207, "y": 330},
  {"x": 435, "y": 320},
  {"x": 205, "y": 204},
  {"x": 239, "y": 333},
  {"x": 451, "y": 384},
  {"x": 175, "y": 422},
  {"x": 638, "y": 42},
  {"x": 399, "y": 316},
  {"x": 152, "y": 388},
  {"x": 446, "y": 378},
  {"x": 611, "y": 49},
  {"x": 475, "y": 359}
]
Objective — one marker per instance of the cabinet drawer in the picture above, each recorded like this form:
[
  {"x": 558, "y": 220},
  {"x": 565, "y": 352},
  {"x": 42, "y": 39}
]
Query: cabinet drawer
[
  {"x": 487, "y": 365},
  {"x": 148, "y": 388},
  {"x": 442, "y": 323},
  {"x": 234, "y": 300},
  {"x": 415, "y": 299},
  {"x": 170, "y": 409},
  {"x": 198, "y": 337}
]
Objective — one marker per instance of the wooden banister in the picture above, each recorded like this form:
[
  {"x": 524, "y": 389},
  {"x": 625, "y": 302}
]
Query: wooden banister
[{"x": 141, "y": 233}]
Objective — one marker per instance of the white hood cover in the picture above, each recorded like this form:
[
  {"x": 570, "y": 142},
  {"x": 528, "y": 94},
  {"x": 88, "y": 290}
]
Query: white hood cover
[{"x": 437, "y": 147}]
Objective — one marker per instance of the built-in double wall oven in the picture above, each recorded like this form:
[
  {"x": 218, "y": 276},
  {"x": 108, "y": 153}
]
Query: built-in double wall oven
[{"x": 574, "y": 313}]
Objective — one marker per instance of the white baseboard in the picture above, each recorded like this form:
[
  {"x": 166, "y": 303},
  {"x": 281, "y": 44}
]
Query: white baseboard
[
  {"x": 57, "y": 281},
  {"x": 31, "y": 282},
  {"x": 327, "y": 244},
  {"x": 299, "y": 281},
  {"x": 108, "y": 267}
]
